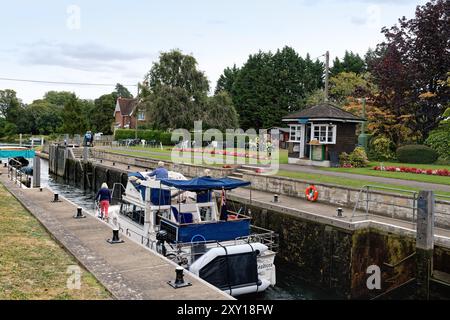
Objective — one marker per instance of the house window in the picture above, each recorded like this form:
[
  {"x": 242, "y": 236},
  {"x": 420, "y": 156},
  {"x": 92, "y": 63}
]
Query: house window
[
  {"x": 141, "y": 115},
  {"x": 325, "y": 133},
  {"x": 295, "y": 134}
]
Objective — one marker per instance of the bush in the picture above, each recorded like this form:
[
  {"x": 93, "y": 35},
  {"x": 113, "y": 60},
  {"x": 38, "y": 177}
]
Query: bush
[
  {"x": 381, "y": 149},
  {"x": 356, "y": 159},
  {"x": 416, "y": 153},
  {"x": 439, "y": 140},
  {"x": 147, "y": 135}
]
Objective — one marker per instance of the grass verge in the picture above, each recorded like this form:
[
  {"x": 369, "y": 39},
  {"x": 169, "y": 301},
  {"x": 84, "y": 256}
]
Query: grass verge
[{"x": 32, "y": 265}]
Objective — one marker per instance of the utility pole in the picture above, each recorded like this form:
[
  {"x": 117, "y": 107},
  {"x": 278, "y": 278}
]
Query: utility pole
[{"x": 327, "y": 71}]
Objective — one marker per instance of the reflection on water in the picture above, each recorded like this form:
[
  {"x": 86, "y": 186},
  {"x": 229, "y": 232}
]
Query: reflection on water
[{"x": 289, "y": 285}]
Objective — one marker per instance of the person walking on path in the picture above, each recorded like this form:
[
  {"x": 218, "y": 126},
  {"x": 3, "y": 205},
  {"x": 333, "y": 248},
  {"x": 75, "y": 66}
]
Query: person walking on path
[
  {"x": 104, "y": 196},
  {"x": 160, "y": 172}
]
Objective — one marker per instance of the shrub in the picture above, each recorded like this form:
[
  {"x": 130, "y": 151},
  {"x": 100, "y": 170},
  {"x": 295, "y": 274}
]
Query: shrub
[
  {"x": 148, "y": 135},
  {"x": 381, "y": 149},
  {"x": 439, "y": 140},
  {"x": 416, "y": 154},
  {"x": 356, "y": 159}
]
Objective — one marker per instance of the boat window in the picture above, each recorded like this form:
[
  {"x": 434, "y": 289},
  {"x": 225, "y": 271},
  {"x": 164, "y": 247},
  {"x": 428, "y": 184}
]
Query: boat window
[{"x": 134, "y": 212}]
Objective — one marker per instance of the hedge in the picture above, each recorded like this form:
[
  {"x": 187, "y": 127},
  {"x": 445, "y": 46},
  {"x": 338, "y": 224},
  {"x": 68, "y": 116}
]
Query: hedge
[
  {"x": 416, "y": 154},
  {"x": 147, "y": 135}
]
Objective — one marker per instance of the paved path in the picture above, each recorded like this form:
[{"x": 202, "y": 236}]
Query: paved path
[
  {"x": 325, "y": 213},
  {"x": 128, "y": 270},
  {"x": 312, "y": 170},
  {"x": 369, "y": 179}
]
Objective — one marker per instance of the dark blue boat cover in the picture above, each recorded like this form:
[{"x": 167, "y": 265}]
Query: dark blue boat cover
[{"x": 205, "y": 183}]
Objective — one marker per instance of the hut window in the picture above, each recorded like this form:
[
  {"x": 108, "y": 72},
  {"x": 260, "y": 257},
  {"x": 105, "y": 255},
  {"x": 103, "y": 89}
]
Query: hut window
[
  {"x": 324, "y": 133},
  {"x": 295, "y": 133}
]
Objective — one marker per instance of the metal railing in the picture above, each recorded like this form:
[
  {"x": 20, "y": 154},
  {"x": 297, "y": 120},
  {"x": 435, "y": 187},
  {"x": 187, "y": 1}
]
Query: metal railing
[
  {"x": 16, "y": 175},
  {"x": 367, "y": 200}
]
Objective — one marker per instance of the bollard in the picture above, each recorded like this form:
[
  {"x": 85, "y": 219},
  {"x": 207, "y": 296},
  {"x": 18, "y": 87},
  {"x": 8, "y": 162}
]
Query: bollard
[
  {"x": 275, "y": 198},
  {"x": 115, "y": 239},
  {"x": 101, "y": 160},
  {"x": 179, "y": 279},
  {"x": 5, "y": 164},
  {"x": 56, "y": 198},
  {"x": 128, "y": 167},
  {"x": 339, "y": 213},
  {"x": 40, "y": 189},
  {"x": 114, "y": 164},
  {"x": 79, "y": 214}
]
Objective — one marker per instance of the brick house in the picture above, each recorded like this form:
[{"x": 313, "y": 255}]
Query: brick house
[{"x": 125, "y": 113}]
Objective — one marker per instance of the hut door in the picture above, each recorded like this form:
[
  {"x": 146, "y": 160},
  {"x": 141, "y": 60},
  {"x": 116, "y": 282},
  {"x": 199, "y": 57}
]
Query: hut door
[{"x": 307, "y": 138}]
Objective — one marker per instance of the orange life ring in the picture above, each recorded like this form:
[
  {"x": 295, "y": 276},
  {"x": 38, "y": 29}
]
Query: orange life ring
[{"x": 311, "y": 193}]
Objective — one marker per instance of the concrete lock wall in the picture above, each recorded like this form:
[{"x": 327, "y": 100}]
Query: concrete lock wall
[
  {"x": 189, "y": 170},
  {"x": 337, "y": 259},
  {"x": 386, "y": 204}
]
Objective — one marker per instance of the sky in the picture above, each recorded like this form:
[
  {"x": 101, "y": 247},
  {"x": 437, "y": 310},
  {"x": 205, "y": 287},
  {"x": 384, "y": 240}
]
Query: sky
[{"x": 110, "y": 41}]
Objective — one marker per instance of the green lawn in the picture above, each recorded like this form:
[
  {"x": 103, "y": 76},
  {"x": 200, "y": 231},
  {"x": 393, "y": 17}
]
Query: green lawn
[
  {"x": 32, "y": 264},
  {"x": 165, "y": 154},
  {"x": 398, "y": 175},
  {"x": 353, "y": 183}
]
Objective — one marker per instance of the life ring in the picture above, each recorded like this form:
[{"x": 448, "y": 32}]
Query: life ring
[{"x": 311, "y": 193}]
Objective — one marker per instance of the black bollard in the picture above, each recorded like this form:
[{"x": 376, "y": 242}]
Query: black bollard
[
  {"x": 56, "y": 198},
  {"x": 40, "y": 189},
  {"x": 128, "y": 167},
  {"x": 114, "y": 163},
  {"x": 101, "y": 160},
  {"x": 179, "y": 279},
  {"x": 79, "y": 214},
  {"x": 275, "y": 198},
  {"x": 339, "y": 213},
  {"x": 115, "y": 239},
  {"x": 5, "y": 164}
]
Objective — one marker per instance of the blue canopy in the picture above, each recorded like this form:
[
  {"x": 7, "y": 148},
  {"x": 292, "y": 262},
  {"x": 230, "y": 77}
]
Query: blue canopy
[
  {"x": 205, "y": 183},
  {"x": 136, "y": 174}
]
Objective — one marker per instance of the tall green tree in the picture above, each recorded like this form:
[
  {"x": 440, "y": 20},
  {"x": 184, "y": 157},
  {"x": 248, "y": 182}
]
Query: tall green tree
[
  {"x": 226, "y": 80},
  {"x": 102, "y": 115},
  {"x": 10, "y": 106},
  {"x": 220, "y": 112},
  {"x": 74, "y": 118},
  {"x": 175, "y": 92},
  {"x": 269, "y": 86},
  {"x": 122, "y": 91},
  {"x": 350, "y": 63}
]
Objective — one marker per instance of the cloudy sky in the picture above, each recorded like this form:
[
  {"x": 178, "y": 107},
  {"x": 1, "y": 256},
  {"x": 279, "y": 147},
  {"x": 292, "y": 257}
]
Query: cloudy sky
[{"x": 105, "y": 42}]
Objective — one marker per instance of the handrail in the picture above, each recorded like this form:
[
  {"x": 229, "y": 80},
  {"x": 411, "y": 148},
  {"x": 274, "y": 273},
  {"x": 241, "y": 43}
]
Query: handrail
[{"x": 399, "y": 262}]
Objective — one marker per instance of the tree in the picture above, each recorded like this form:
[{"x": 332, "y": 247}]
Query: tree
[
  {"x": 410, "y": 68},
  {"x": 350, "y": 63},
  {"x": 174, "y": 92},
  {"x": 102, "y": 115},
  {"x": 176, "y": 70},
  {"x": 220, "y": 112},
  {"x": 10, "y": 105},
  {"x": 269, "y": 86},
  {"x": 122, "y": 91},
  {"x": 226, "y": 80},
  {"x": 58, "y": 98},
  {"x": 74, "y": 117},
  {"x": 349, "y": 85}
]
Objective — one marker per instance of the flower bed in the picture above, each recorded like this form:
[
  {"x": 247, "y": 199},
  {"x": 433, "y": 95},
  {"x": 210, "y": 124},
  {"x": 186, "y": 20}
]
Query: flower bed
[{"x": 433, "y": 172}]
